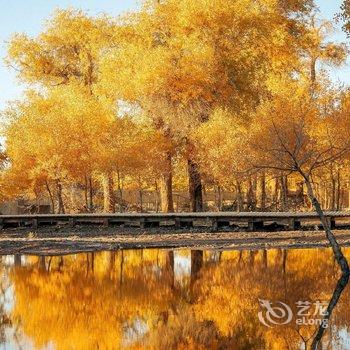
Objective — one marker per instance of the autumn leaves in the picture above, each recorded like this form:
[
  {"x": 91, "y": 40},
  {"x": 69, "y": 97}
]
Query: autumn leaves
[{"x": 173, "y": 94}]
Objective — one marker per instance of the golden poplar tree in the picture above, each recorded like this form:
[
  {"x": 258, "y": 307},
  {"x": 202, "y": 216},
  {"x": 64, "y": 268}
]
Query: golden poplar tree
[
  {"x": 67, "y": 52},
  {"x": 187, "y": 59}
]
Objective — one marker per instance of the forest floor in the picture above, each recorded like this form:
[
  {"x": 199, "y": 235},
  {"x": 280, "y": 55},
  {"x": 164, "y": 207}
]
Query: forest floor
[{"x": 59, "y": 241}]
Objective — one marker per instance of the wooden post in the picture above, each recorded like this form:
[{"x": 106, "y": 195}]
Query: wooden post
[
  {"x": 142, "y": 223},
  {"x": 71, "y": 222},
  {"x": 105, "y": 222},
  {"x": 214, "y": 223},
  {"x": 331, "y": 222},
  {"x": 177, "y": 223},
  {"x": 333, "y": 225},
  {"x": 250, "y": 225},
  {"x": 291, "y": 224},
  {"x": 35, "y": 223},
  {"x": 255, "y": 225}
]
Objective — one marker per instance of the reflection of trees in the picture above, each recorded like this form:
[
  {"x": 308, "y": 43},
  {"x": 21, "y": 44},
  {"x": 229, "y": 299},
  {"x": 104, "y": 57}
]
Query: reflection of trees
[
  {"x": 230, "y": 298},
  {"x": 94, "y": 309},
  {"x": 181, "y": 328},
  {"x": 196, "y": 263},
  {"x": 341, "y": 285},
  {"x": 132, "y": 299},
  {"x": 5, "y": 320},
  {"x": 225, "y": 302}
]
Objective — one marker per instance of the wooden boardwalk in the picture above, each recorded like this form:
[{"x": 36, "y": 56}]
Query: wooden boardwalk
[{"x": 252, "y": 221}]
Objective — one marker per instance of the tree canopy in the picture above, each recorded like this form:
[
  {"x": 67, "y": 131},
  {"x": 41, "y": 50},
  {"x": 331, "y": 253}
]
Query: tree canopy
[{"x": 135, "y": 109}]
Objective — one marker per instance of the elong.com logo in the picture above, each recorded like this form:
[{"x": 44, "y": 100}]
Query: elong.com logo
[{"x": 278, "y": 313}]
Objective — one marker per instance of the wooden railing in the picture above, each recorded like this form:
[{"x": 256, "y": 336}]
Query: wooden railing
[{"x": 252, "y": 221}]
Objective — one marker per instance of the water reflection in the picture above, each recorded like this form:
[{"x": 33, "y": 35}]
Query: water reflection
[{"x": 159, "y": 299}]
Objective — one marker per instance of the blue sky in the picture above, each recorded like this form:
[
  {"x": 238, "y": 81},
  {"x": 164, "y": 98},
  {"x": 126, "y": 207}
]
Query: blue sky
[{"x": 29, "y": 15}]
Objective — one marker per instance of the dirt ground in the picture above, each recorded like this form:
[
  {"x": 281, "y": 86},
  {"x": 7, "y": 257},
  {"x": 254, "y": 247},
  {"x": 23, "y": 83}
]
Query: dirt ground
[{"x": 59, "y": 241}]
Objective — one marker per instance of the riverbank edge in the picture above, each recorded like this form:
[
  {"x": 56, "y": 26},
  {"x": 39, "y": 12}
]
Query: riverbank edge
[{"x": 62, "y": 241}]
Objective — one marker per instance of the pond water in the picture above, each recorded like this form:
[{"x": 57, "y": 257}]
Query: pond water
[{"x": 163, "y": 299}]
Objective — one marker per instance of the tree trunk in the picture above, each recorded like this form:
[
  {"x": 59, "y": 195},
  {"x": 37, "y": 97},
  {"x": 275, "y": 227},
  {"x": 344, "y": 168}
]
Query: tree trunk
[
  {"x": 276, "y": 192},
  {"x": 251, "y": 195},
  {"x": 61, "y": 209},
  {"x": 284, "y": 260},
  {"x": 51, "y": 197},
  {"x": 204, "y": 194},
  {"x": 166, "y": 192},
  {"x": 284, "y": 192},
  {"x": 339, "y": 192},
  {"x": 157, "y": 196},
  {"x": 196, "y": 264},
  {"x": 252, "y": 254},
  {"x": 195, "y": 187},
  {"x": 141, "y": 199},
  {"x": 341, "y": 284},
  {"x": 239, "y": 197},
  {"x": 120, "y": 191},
  {"x": 111, "y": 264},
  {"x": 219, "y": 197},
  {"x": 86, "y": 194},
  {"x": 169, "y": 266},
  {"x": 91, "y": 195},
  {"x": 341, "y": 260},
  {"x": 17, "y": 260},
  {"x": 108, "y": 194},
  {"x": 166, "y": 186},
  {"x": 333, "y": 199},
  {"x": 42, "y": 263},
  {"x": 263, "y": 192},
  {"x": 240, "y": 258},
  {"x": 264, "y": 258}
]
